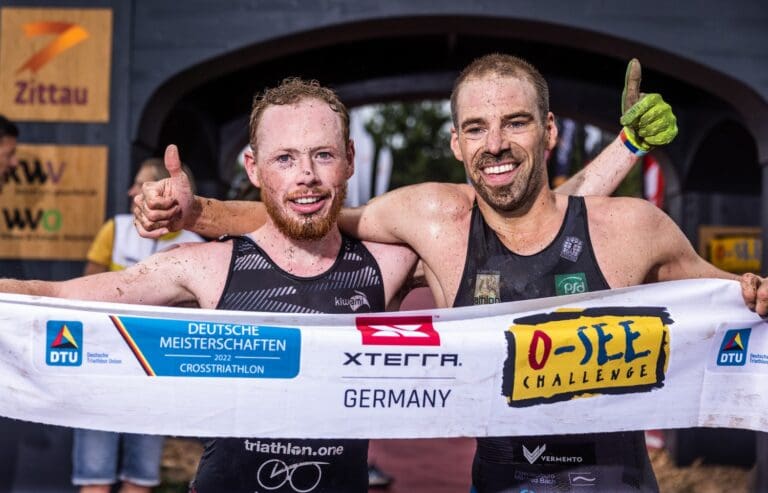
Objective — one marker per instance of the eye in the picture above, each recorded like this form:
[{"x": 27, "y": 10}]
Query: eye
[
  {"x": 324, "y": 155},
  {"x": 283, "y": 159},
  {"x": 473, "y": 131}
]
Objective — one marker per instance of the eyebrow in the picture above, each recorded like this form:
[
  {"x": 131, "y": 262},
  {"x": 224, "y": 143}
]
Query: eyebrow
[
  {"x": 471, "y": 121},
  {"x": 520, "y": 114}
]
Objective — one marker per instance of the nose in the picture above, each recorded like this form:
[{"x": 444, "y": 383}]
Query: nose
[
  {"x": 14, "y": 161},
  {"x": 495, "y": 140},
  {"x": 306, "y": 171}
]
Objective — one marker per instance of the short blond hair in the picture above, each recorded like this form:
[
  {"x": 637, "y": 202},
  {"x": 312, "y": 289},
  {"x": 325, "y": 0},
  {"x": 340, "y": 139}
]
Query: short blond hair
[
  {"x": 506, "y": 66},
  {"x": 291, "y": 91}
]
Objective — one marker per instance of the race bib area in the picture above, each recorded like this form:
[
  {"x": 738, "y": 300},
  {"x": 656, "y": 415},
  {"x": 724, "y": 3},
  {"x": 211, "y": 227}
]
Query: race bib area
[{"x": 669, "y": 355}]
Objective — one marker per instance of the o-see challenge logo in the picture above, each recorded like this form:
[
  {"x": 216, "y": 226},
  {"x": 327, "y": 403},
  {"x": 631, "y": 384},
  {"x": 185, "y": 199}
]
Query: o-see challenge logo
[
  {"x": 613, "y": 350},
  {"x": 64, "y": 343}
]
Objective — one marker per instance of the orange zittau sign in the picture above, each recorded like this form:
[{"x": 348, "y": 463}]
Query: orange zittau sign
[
  {"x": 52, "y": 204},
  {"x": 55, "y": 64}
]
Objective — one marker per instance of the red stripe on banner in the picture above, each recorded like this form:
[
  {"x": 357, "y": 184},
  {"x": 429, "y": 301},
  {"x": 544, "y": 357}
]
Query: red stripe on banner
[{"x": 132, "y": 344}]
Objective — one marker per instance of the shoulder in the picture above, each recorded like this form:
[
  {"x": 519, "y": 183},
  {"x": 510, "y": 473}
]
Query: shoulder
[
  {"x": 435, "y": 199},
  {"x": 623, "y": 211}
]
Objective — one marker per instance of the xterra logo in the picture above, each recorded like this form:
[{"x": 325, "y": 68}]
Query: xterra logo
[{"x": 398, "y": 331}]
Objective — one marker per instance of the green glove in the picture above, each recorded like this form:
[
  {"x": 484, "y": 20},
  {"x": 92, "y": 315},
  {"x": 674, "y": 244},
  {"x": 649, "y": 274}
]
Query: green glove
[{"x": 647, "y": 119}]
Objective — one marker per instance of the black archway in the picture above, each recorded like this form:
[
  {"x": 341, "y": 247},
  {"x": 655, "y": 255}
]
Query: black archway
[{"x": 403, "y": 58}]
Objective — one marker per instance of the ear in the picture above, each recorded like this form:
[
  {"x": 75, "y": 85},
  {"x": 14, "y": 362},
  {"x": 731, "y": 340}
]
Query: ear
[
  {"x": 455, "y": 144},
  {"x": 350, "y": 158},
  {"x": 551, "y": 129},
  {"x": 250, "y": 168}
]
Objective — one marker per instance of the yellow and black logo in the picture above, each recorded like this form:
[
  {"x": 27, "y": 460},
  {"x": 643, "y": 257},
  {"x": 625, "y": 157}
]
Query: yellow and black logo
[{"x": 561, "y": 355}]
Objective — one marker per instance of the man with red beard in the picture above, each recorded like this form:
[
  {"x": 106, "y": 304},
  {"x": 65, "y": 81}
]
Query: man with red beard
[
  {"x": 510, "y": 234},
  {"x": 298, "y": 261}
]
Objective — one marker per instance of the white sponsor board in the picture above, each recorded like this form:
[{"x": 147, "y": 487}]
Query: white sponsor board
[{"x": 670, "y": 355}]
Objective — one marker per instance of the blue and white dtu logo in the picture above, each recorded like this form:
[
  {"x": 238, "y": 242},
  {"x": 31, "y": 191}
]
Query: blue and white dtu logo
[
  {"x": 64, "y": 343},
  {"x": 733, "y": 349}
]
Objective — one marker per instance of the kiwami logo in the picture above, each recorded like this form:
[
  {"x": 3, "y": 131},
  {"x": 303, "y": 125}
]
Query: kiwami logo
[
  {"x": 354, "y": 302},
  {"x": 534, "y": 456}
]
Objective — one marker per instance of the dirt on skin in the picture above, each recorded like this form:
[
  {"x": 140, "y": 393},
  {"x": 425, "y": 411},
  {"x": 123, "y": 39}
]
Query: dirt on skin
[{"x": 181, "y": 455}]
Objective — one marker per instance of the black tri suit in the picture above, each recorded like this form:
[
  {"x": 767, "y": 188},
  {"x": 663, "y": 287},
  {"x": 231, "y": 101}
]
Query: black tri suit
[
  {"x": 597, "y": 462},
  {"x": 256, "y": 283}
]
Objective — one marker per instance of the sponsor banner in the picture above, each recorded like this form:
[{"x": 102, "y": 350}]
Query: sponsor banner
[
  {"x": 735, "y": 249},
  {"x": 52, "y": 204},
  {"x": 55, "y": 64},
  {"x": 593, "y": 362}
]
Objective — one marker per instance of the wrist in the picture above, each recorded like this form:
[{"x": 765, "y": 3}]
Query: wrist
[
  {"x": 630, "y": 141},
  {"x": 192, "y": 222}
]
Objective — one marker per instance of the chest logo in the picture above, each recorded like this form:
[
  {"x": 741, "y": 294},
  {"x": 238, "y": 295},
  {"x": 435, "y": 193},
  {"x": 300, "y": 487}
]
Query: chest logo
[
  {"x": 487, "y": 288},
  {"x": 571, "y": 283},
  {"x": 572, "y": 248},
  {"x": 354, "y": 302}
]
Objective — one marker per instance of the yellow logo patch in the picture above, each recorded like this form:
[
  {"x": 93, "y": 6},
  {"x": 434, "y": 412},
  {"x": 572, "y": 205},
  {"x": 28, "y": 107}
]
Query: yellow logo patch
[{"x": 561, "y": 355}]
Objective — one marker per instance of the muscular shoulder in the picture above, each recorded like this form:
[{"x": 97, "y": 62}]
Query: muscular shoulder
[
  {"x": 627, "y": 213},
  {"x": 444, "y": 199}
]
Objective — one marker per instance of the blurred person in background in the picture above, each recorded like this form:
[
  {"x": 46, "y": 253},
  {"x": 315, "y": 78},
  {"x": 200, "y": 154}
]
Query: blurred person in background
[{"x": 9, "y": 135}]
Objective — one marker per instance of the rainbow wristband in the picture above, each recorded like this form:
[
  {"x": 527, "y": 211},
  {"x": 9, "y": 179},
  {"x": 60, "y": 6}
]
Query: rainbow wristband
[{"x": 633, "y": 147}]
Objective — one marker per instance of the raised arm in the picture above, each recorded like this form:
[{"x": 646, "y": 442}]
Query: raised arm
[
  {"x": 648, "y": 122},
  {"x": 169, "y": 205}
]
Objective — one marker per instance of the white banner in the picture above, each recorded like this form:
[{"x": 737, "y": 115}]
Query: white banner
[{"x": 672, "y": 355}]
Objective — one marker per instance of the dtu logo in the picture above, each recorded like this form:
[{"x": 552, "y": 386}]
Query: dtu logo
[
  {"x": 64, "y": 345},
  {"x": 733, "y": 349}
]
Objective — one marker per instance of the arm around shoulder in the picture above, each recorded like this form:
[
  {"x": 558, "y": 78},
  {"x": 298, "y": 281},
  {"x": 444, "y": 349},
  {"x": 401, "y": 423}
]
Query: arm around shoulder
[{"x": 401, "y": 215}]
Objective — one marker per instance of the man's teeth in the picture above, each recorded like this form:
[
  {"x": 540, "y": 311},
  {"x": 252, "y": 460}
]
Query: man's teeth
[
  {"x": 495, "y": 170},
  {"x": 307, "y": 200}
]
